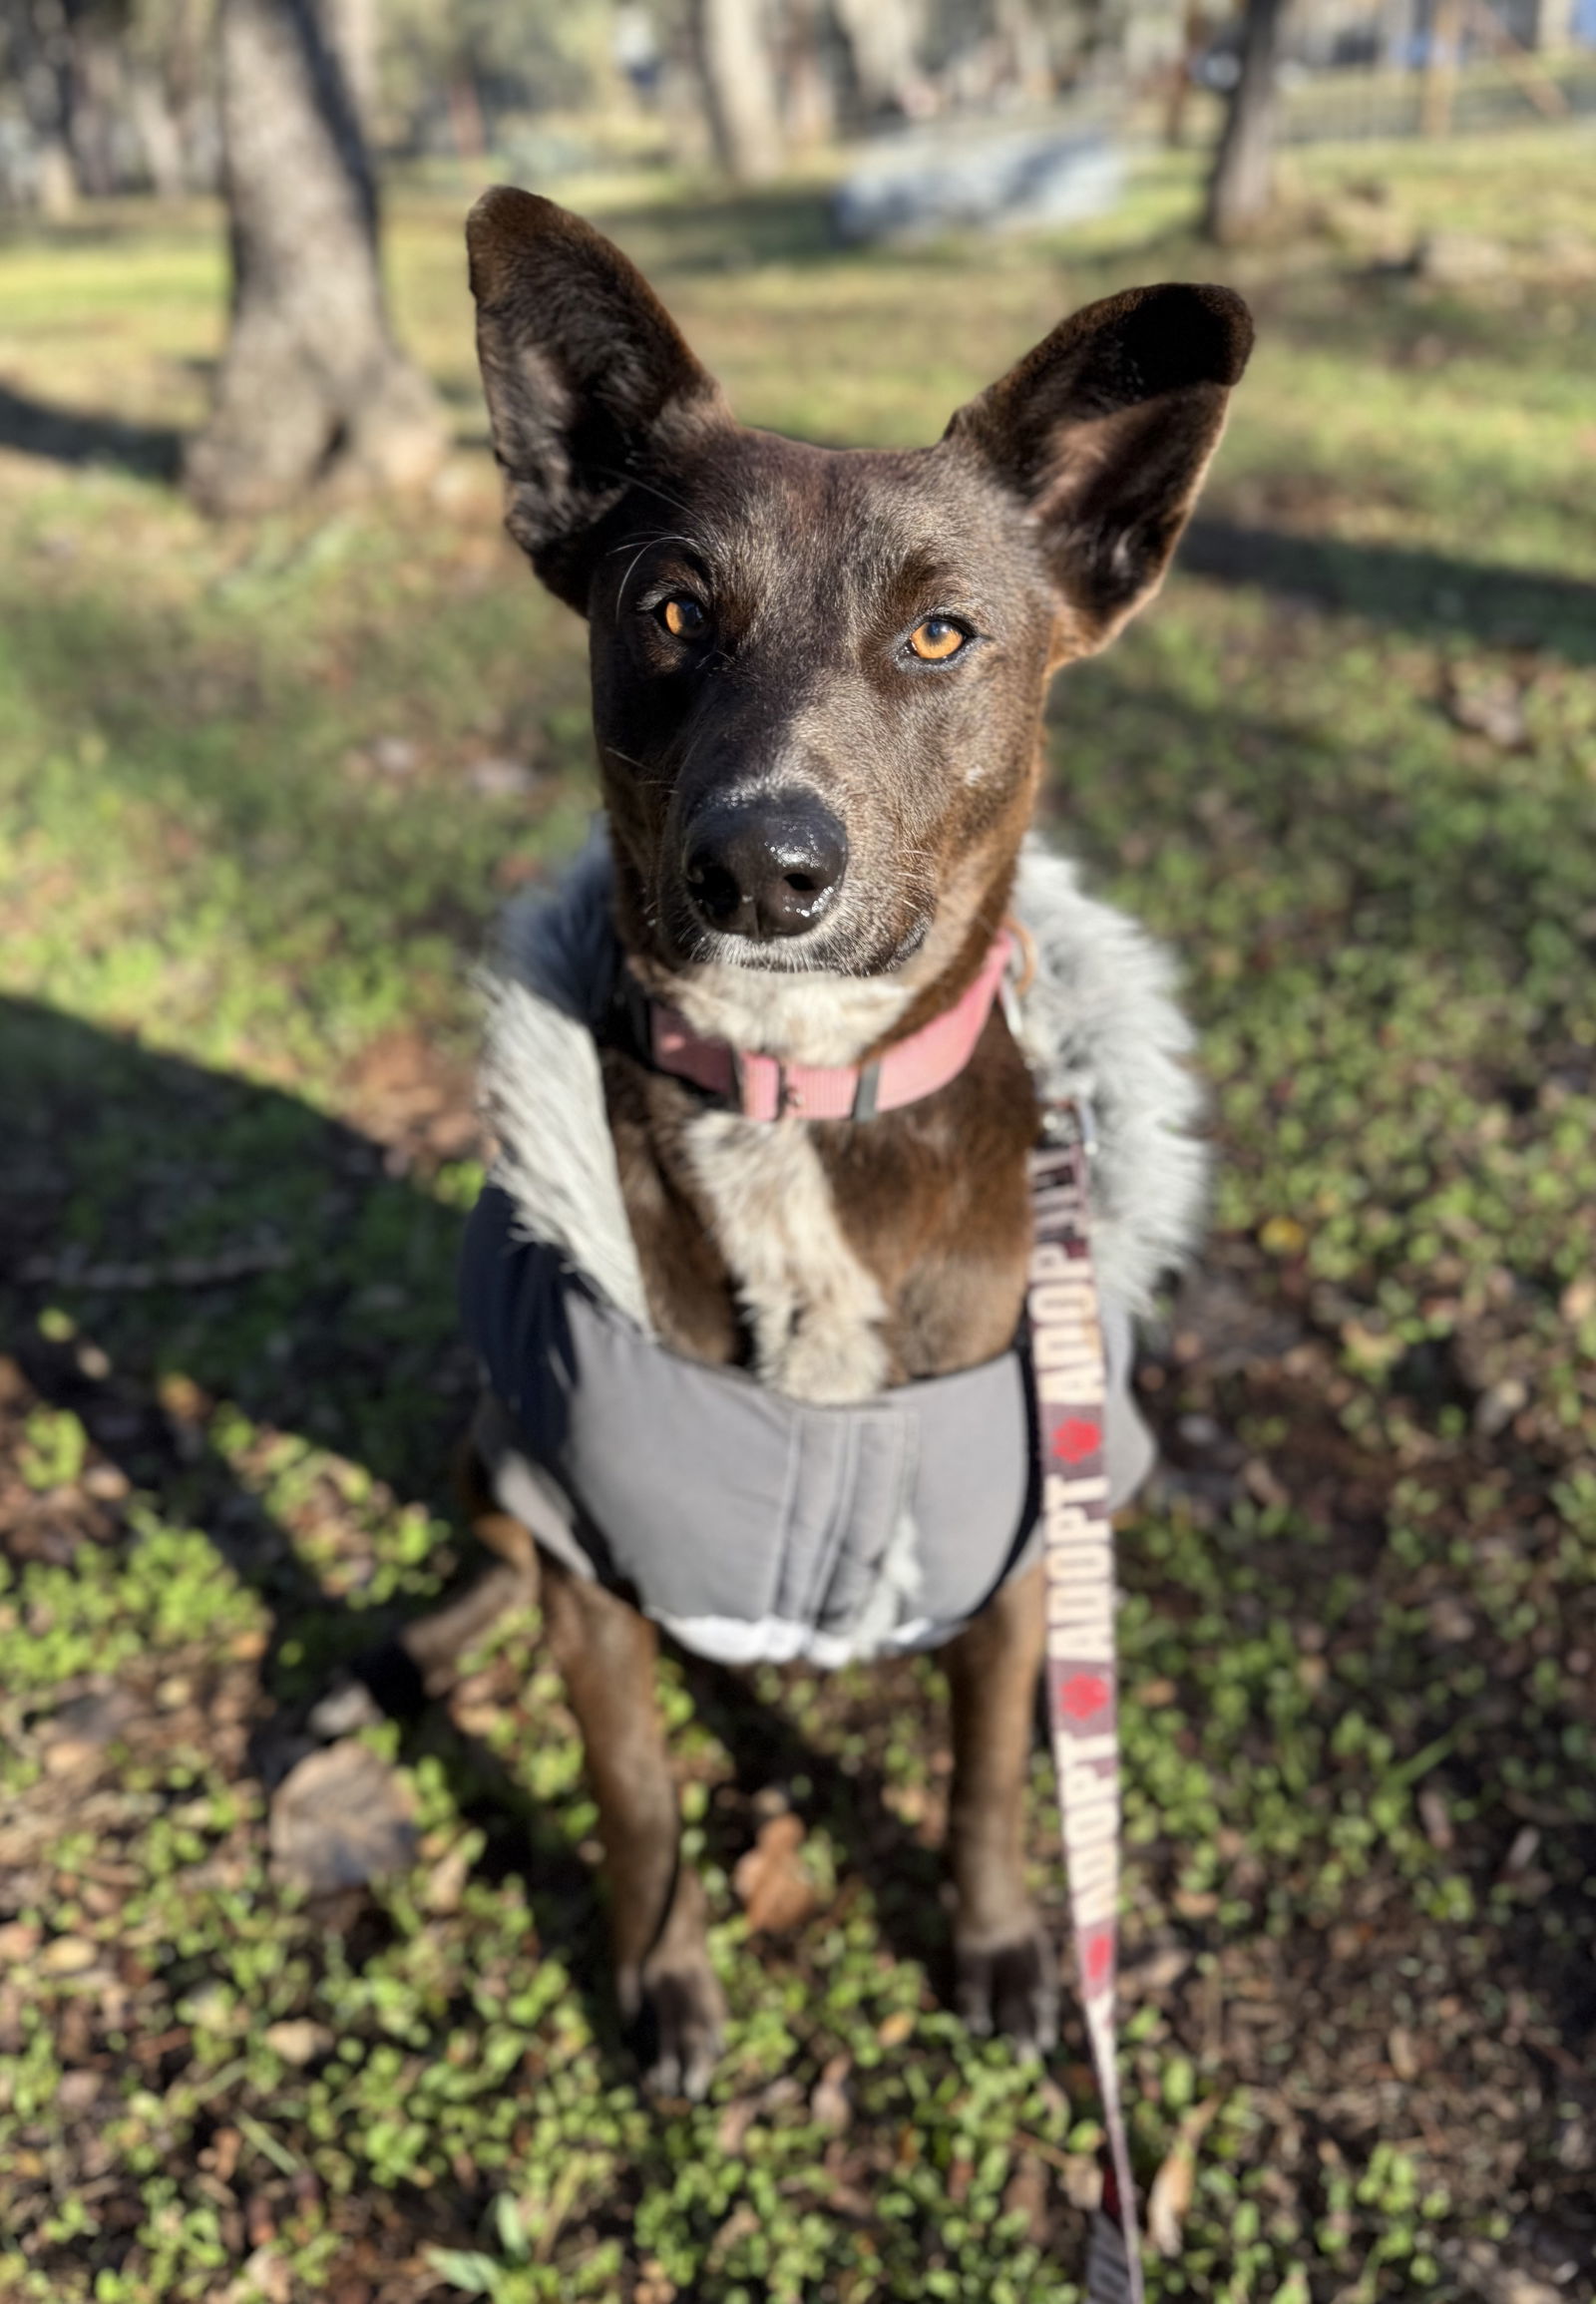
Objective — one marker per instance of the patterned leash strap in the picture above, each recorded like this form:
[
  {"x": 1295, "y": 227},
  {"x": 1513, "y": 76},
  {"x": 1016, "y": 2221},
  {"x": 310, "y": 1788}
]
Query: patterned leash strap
[{"x": 1070, "y": 1389}]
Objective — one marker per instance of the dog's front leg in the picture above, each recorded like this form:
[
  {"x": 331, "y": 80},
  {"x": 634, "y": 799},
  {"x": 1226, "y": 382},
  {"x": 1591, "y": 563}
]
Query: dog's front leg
[
  {"x": 606, "y": 1651},
  {"x": 1005, "y": 1968}
]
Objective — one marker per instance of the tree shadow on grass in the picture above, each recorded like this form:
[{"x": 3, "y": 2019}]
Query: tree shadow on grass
[
  {"x": 733, "y": 232},
  {"x": 200, "y": 1230},
  {"x": 69, "y": 436},
  {"x": 1428, "y": 592}
]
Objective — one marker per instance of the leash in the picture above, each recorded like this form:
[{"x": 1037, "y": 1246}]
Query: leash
[
  {"x": 1068, "y": 1390},
  {"x": 1069, "y": 1387}
]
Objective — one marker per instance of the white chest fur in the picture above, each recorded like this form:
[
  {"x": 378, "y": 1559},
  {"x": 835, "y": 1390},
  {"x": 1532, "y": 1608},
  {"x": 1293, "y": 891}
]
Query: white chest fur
[{"x": 814, "y": 1311}]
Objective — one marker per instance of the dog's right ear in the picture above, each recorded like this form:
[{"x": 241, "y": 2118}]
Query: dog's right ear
[{"x": 584, "y": 371}]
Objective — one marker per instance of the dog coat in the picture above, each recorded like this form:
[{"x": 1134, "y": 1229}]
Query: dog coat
[{"x": 753, "y": 1526}]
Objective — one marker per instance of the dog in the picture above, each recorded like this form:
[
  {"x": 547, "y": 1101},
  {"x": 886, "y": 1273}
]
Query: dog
[{"x": 710, "y": 1299}]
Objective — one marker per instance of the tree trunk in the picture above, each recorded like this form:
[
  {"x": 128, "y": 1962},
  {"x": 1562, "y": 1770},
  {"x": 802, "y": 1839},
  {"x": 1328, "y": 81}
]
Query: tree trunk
[
  {"x": 466, "y": 123},
  {"x": 96, "y": 99},
  {"x": 1193, "y": 28},
  {"x": 183, "y": 76},
  {"x": 158, "y": 135},
  {"x": 55, "y": 181},
  {"x": 883, "y": 42},
  {"x": 811, "y": 107},
  {"x": 1241, "y": 189},
  {"x": 739, "y": 88},
  {"x": 311, "y": 384},
  {"x": 1555, "y": 24},
  {"x": 44, "y": 82},
  {"x": 1028, "y": 61},
  {"x": 353, "y": 32},
  {"x": 1440, "y": 67}
]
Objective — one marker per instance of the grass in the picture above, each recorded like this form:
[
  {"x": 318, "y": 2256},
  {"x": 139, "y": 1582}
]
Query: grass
[{"x": 247, "y": 865}]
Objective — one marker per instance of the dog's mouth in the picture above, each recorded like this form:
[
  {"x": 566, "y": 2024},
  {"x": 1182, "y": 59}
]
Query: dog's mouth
[{"x": 818, "y": 951}]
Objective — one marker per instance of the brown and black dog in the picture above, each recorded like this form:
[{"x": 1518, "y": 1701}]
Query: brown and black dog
[{"x": 818, "y": 680}]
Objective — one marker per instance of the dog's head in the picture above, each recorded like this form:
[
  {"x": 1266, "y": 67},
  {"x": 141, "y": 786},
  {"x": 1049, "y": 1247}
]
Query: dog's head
[{"x": 818, "y": 673}]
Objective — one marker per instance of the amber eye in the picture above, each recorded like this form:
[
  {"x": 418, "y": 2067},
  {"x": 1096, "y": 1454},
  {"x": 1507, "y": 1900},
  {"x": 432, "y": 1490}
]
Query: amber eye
[
  {"x": 683, "y": 618},
  {"x": 936, "y": 639}
]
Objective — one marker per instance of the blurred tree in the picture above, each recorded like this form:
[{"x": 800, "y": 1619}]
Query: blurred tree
[
  {"x": 35, "y": 58},
  {"x": 1241, "y": 187},
  {"x": 884, "y": 38},
  {"x": 312, "y": 383},
  {"x": 353, "y": 28},
  {"x": 168, "y": 96},
  {"x": 733, "y": 40},
  {"x": 1442, "y": 53},
  {"x": 1193, "y": 39},
  {"x": 810, "y": 108},
  {"x": 459, "y": 69},
  {"x": 63, "y": 57},
  {"x": 113, "y": 94}
]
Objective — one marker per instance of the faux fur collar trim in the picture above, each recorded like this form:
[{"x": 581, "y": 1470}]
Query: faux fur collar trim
[{"x": 1099, "y": 1020}]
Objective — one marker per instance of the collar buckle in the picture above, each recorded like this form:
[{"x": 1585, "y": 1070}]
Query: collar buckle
[{"x": 868, "y": 1091}]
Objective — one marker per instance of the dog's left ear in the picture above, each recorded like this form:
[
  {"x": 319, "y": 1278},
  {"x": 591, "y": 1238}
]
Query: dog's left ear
[
  {"x": 584, "y": 371},
  {"x": 1104, "y": 432}
]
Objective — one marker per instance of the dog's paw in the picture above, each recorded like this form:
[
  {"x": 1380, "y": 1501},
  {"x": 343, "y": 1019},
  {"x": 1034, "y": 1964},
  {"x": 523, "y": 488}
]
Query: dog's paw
[
  {"x": 1010, "y": 1986},
  {"x": 677, "y": 2024}
]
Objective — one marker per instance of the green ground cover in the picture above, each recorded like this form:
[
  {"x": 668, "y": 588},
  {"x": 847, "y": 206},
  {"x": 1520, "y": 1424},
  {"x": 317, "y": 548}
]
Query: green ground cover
[{"x": 261, "y": 791}]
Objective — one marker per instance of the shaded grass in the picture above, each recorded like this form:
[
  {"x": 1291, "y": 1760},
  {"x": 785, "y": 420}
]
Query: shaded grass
[{"x": 246, "y": 870}]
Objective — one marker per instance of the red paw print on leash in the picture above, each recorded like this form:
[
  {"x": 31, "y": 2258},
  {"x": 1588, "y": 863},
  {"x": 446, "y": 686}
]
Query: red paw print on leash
[
  {"x": 1075, "y": 1439},
  {"x": 1098, "y": 1958},
  {"x": 1082, "y": 1695}
]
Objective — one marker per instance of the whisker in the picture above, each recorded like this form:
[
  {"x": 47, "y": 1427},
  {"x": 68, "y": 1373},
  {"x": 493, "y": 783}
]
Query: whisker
[
  {"x": 609, "y": 472},
  {"x": 647, "y": 546}
]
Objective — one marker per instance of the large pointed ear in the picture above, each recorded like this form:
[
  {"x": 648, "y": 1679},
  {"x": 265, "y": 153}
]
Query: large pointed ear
[
  {"x": 1104, "y": 432},
  {"x": 584, "y": 373}
]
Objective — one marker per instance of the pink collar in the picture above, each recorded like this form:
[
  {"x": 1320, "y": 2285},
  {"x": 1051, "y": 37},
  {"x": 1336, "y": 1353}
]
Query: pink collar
[{"x": 764, "y": 1089}]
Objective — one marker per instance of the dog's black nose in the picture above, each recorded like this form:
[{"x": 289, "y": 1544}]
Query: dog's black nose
[{"x": 764, "y": 866}]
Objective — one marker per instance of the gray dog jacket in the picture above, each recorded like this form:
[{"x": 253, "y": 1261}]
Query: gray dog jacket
[{"x": 750, "y": 1525}]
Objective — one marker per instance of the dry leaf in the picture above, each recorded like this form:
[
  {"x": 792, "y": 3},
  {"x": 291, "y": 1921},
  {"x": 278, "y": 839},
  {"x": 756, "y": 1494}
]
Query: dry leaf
[
  {"x": 340, "y": 1819},
  {"x": 1488, "y": 705},
  {"x": 1579, "y": 1300},
  {"x": 446, "y": 1882},
  {"x": 297, "y": 2040},
  {"x": 735, "y": 2121},
  {"x": 1526, "y": 1840},
  {"x": 1083, "y": 2181},
  {"x": 1400, "y": 2049},
  {"x": 1169, "y": 2200},
  {"x": 1149, "y": 1978},
  {"x": 182, "y": 1398},
  {"x": 68, "y": 1956},
  {"x": 830, "y": 2107},
  {"x": 69, "y": 1757},
  {"x": 1025, "y": 2194},
  {"x": 775, "y": 1890},
  {"x": 1436, "y": 1819}
]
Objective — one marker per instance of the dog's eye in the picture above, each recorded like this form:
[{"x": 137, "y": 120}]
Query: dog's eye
[
  {"x": 936, "y": 639},
  {"x": 682, "y": 616}
]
